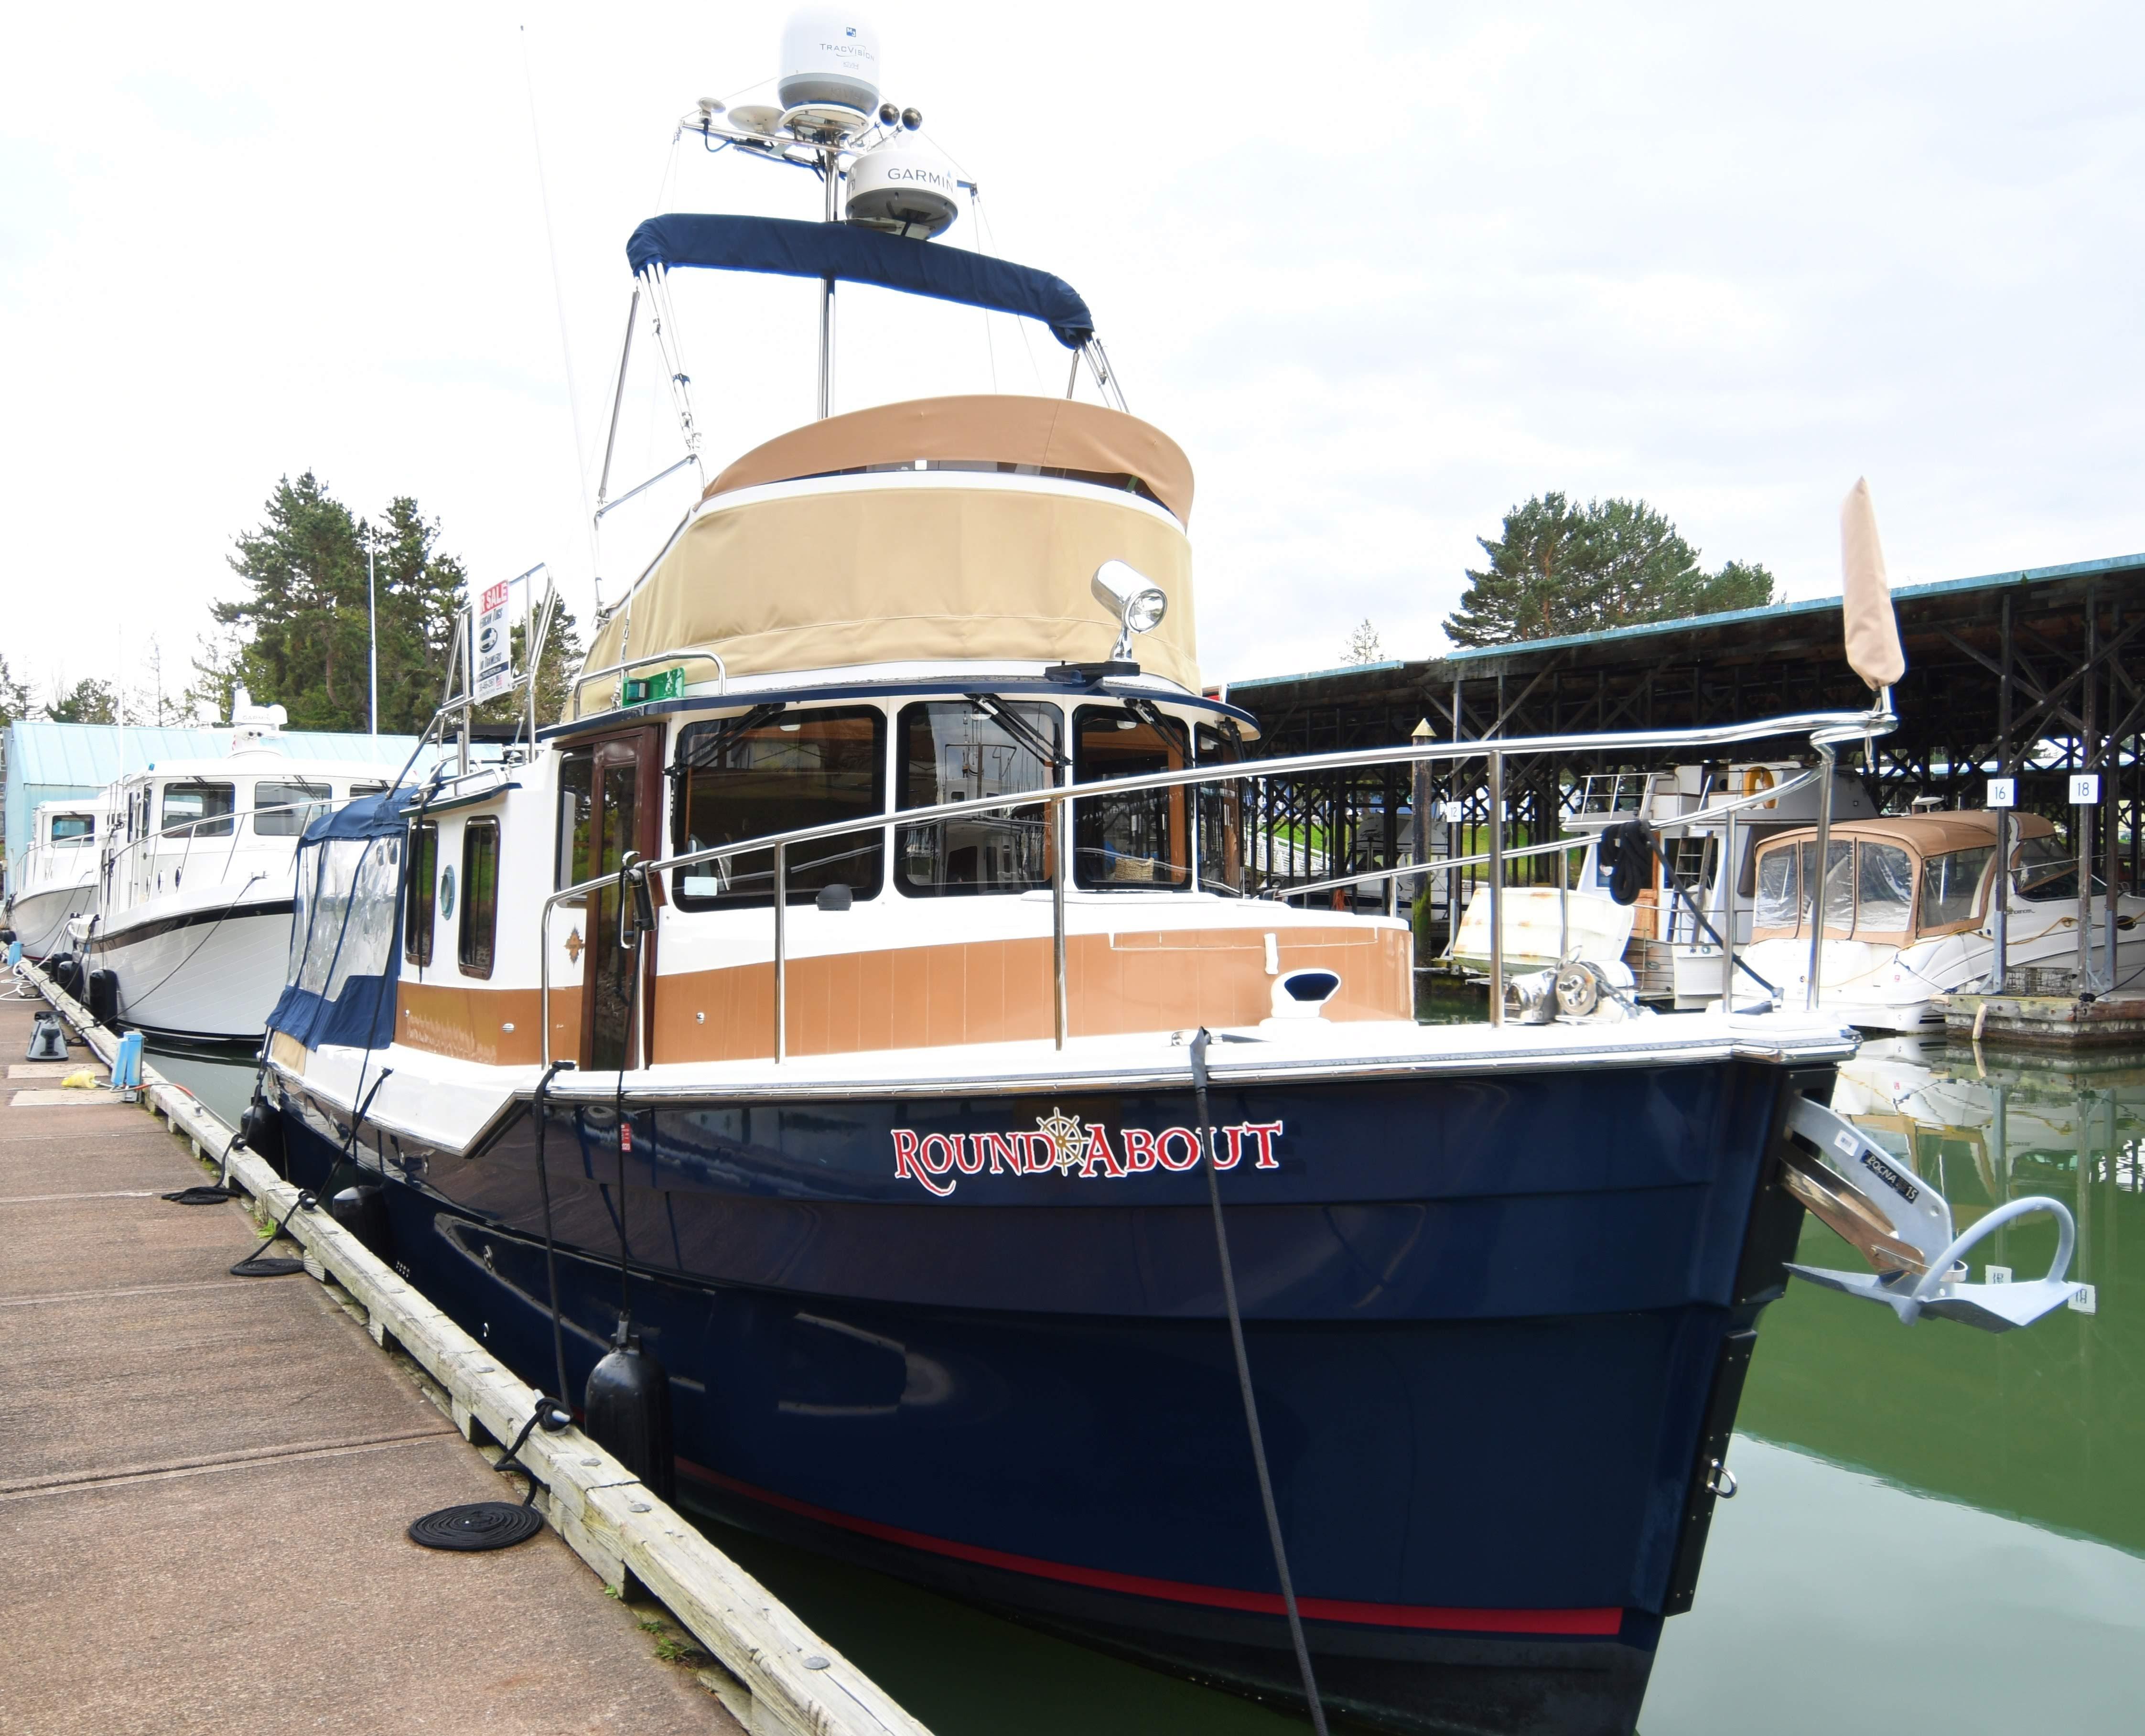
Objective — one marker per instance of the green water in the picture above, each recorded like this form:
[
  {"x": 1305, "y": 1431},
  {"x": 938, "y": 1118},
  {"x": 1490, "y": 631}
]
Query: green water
[{"x": 1936, "y": 1528}]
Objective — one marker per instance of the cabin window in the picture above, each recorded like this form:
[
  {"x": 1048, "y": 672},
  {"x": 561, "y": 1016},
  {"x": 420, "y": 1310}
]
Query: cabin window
[
  {"x": 423, "y": 888},
  {"x": 957, "y": 752},
  {"x": 576, "y": 792},
  {"x": 199, "y": 810},
  {"x": 781, "y": 771},
  {"x": 480, "y": 922},
  {"x": 2047, "y": 873},
  {"x": 284, "y": 810},
  {"x": 71, "y": 831},
  {"x": 1883, "y": 889},
  {"x": 1949, "y": 885},
  {"x": 366, "y": 789},
  {"x": 1221, "y": 813},
  {"x": 1138, "y": 841},
  {"x": 1777, "y": 890}
]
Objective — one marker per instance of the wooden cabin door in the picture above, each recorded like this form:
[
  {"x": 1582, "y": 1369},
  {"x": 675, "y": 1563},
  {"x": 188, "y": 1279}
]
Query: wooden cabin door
[{"x": 624, "y": 814}]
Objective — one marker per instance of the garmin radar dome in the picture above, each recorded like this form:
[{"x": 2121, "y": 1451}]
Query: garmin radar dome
[
  {"x": 904, "y": 188},
  {"x": 829, "y": 70}
]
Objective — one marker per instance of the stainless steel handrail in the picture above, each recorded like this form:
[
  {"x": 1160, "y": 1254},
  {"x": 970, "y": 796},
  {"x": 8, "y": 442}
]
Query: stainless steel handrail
[
  {"x": 1824, "y": 729},
  {"x": 1568, "y": 841},
  {"x": 680, "y": 656}
]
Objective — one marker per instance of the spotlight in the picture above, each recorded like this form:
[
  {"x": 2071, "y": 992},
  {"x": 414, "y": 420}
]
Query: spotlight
[{"x": 1135, "y": 599}]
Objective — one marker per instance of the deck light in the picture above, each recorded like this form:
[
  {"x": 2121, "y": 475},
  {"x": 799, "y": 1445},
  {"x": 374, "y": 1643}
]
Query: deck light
[{"x": 1135, "y": 599}]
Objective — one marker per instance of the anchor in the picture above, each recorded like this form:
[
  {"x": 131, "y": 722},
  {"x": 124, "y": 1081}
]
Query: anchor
[{"x": 1902, "y": 1228}]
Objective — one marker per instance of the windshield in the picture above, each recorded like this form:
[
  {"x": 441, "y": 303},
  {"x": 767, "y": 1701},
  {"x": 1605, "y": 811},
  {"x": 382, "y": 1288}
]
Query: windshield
[
  {"x": 957, "y": 752},
  {"x": 1137, "y": 840},
  {"x": 71, "y": 831},
  {"x": 745, "y": 777}
]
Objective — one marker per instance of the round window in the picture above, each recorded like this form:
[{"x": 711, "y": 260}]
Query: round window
[{"x": 447, "y": 893}]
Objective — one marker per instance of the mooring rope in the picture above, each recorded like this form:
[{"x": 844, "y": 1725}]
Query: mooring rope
[
  {"x": 1244, "y": 1387},
  {"x": 550, "y": 1248}
]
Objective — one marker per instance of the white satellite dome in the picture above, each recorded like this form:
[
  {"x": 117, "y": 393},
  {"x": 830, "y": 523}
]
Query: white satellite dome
[
  {"x": 829, "y": 58},
  {"x": 905, "y": 187}
]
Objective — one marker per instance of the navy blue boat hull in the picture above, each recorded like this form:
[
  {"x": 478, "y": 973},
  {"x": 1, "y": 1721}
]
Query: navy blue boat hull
[{"x": 1496, "y": 1324}]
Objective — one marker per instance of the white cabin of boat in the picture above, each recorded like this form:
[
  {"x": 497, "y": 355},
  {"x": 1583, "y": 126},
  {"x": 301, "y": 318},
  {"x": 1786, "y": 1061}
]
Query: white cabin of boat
[
  {"x": 209, "y": 823},
  {"x": 875, "y": 612}
]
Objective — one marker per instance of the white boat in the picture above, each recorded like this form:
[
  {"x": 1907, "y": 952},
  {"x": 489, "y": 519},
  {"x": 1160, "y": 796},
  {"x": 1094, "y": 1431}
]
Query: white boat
[
  {"x": 1697, "y": 901},
  {"x": 56, "y": 878},
  {"x": 1909, "y": 903},
  {"x": 193, "y": 912},
  {"x": 1669, "y": 951}
]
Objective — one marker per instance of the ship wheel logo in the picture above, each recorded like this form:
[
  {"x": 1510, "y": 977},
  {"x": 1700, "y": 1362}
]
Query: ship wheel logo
[
  {"x": 574, "y": 945},
  {"x": 1067, "y": 1136}
]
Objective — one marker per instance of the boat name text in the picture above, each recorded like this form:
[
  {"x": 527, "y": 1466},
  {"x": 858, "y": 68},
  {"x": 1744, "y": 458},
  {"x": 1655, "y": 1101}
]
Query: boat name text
[{"x": 1062, "y": 1145}]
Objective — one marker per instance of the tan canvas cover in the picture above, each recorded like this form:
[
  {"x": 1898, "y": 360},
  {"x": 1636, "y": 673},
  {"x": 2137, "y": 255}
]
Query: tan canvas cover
[
  {"x": 1048, "y": 434},
  {"x": 1926, "y": 834},
  {"x": 1873, "y": 630},
  {"x": 914, "y": 569}
]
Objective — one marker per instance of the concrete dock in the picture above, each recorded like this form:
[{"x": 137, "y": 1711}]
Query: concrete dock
[{"x": 207, "y": 1481}]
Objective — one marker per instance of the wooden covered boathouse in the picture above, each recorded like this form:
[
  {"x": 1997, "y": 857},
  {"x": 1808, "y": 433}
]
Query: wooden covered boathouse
[{"x": 2036, "y": 674}]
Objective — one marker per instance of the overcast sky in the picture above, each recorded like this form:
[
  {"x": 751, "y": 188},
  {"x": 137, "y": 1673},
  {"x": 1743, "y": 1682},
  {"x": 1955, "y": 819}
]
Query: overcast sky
[{"x": 1382, "y": 271}]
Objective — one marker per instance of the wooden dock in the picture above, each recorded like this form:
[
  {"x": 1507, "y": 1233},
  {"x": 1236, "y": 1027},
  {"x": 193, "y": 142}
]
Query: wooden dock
[
  {"x": 207, "y": 1479},
  {"x": 2114, "y": 1021}
]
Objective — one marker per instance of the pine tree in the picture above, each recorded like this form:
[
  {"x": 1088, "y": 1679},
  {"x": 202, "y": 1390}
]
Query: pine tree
[
  {"x": 1559, "y": 569},
  {"x": 301, "y": 636},
  {"x": 15, "y": 700},
  {"x": 88, "y": 701}
]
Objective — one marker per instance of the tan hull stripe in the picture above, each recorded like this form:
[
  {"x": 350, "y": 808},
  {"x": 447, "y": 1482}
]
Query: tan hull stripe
[{"x": 935, "y": 996}]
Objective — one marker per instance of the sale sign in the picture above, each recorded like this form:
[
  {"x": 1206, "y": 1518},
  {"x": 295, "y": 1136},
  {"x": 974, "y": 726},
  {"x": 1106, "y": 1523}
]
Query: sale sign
[{"x": 494, "y": 645}]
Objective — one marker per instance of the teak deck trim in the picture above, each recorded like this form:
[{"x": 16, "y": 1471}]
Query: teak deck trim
[{"x": 611, "y": 1519}]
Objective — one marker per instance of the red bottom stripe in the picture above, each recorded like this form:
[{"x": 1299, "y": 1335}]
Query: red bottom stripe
[{"x": 1590, "y": 1622}]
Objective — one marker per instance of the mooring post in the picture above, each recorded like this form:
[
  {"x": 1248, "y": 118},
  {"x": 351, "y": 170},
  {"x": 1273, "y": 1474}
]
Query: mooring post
[
  {"x": 2000, "y": 928},
  {"x": 2082, "y": 812},
  {"x": 2111, "y": 806}
]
